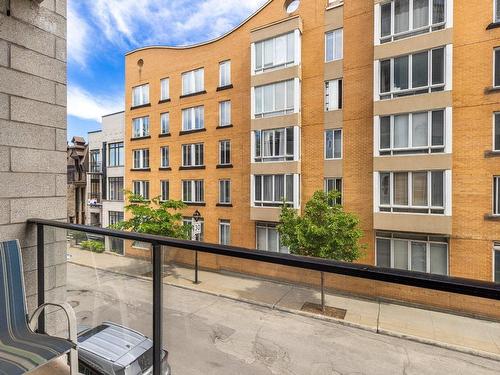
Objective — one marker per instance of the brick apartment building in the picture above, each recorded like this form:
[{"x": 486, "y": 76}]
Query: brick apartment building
[{"x": 391, "y": 102}]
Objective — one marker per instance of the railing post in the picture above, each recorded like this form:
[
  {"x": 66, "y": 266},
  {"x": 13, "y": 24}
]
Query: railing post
[
  {"x": 40, "y": 256},
  {"x": 157, "y": 308}
]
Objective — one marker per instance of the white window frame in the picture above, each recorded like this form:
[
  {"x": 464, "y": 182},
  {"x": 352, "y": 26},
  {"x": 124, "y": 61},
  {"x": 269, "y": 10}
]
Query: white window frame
[
  {"x": 225, "y": 225},
  {"x": 334, "y": 47},
  {"x": 496, "y": 147},
  {"x": 189, "y": 116},
  {"x": 190, "y": 79},
  {"x": 164, "y": 89},
  {"x": 225, "y": 73},
  {"x": 496, "y": 14},
  {"x": 165, "y": 123},
  {"x": 191, "y": 149},
  {"x": 140, "y": 127},
  {"x": 272, "y": 203},
  {"x": 333, "y": 131},
  {"x": 141, "y": 158},
  {"x": 496, "y": 196},
  {"x": 276, "y": 112},
  {"x": 337, "y": 95},
  {"x": 275, "y": 66},
  {"x": 496, "y": 248},
  {"x": 193, "y": 185},
  {"x": 141, "y": 94},
  {"x": 223, "y": 145},
  {"x": 225, "y": 196},
  {"x": 268, "y": 227},
  {"x": 335, "y": 180},
  {"x": 225, "y": 113},
  {"x": 261, "y": 158},
  {"x": 495, "y": 50},
  {"x": 164, "y": 184},
  {"x": 164, "y": 156},
  {"x": 141, "y": 187}
]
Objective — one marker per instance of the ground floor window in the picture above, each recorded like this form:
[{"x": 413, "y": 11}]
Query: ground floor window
[
  {"x": 268, "y": 238},
  {"x": 116, "y": 246},
  {"x": 224, "y": 232},
  {"x": 190, "y": 221},
  {"x": 115, "y": 217},
  {"x": 141, "y": 245},
  {"x": 412, "y": 252},
  {"x": 334, "y": 184},
  {"x": 496, "y": 262}
]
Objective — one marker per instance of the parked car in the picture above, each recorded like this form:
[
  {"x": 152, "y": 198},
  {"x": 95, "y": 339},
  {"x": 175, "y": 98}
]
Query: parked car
[{"x": 112, "y": 349}]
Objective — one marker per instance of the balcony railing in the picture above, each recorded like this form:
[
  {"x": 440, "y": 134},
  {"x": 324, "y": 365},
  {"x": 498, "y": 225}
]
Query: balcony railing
[
  {"x": 160, "y": 247},
  {"x": 95, "y": 167}
]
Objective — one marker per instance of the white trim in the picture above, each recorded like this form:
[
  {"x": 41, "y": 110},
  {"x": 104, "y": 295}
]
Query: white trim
[
  {"x": 495, "y": 248},
  {"x": 376, "y": 80},
  {"x": 296, "y": 143},
  {"x": 296, "y": 191},
  {"x": 377, "y": 24},
  {"x": 448, "y": 130},
  {"x": 494, "y": 66},
  {"x": 495, "y": 114},
  {"x": 297, "y": 96},
  {"x": 448, "y": 203},
  {"x": 333, "y": 144},
  {"x": 376, "y": 192},
  {"x": 376, "y": 136},
  {"x": 448, "y": 67},
  {"x": 298, "y": 47}
]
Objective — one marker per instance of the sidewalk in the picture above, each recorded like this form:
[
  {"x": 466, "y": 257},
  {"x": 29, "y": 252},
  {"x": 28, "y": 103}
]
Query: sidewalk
[{"x": 466, "y": 334}]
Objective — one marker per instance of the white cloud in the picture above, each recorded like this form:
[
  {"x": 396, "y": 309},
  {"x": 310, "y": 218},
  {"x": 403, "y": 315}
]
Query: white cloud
[
  {"x": 78, "y": 37},
  {"x": 86, "y": 106}
]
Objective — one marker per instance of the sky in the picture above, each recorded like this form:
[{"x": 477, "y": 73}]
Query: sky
[{"x": 100, "y": 32}]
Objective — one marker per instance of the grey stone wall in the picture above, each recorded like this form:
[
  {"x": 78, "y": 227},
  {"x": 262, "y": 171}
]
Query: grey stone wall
[{"x": 33, "y": 134}]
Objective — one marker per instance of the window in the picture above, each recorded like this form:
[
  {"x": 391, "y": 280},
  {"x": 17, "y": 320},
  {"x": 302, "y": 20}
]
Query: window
[
  {"x": 403, "y": 18},
  {"x": 225, "y": 152},
  {"x": 275, "y": 99},
  {"x": 496, "y": 132},
  {"x": 224, "y": 73},
  {"x": 95, "y": 161},
  {"x": 496, "y": 62},
  {"x": 333, "y": 144},
  {"x": 411, "y": 133},
  {"x": 275, "y": 53},
  {"x": 418, "y": 73},
  {"x": 334, "y": 184},
  {"x": 274, "y": 145},
  {"x": 225, "y": 113},
  {"x": 497, "y": 10},
  {"x": 141, "y": 245},
  {"x": 496, "y": 262},
  {"x": 224, "y": 191},
  {"x": 193, "y": 118},
  {"x": 164, "y": 190},
  {"x": 224, "y": 232},
  {"x": 496, "y": 195},
  {"x": 193, "y": 191},
  {"x": 115, "y": 188},
  {"x": 193, "y": 81},
  {"x": 140, "y": 95},
  {"x": 165, "y": 123},
  {"x": 115, "y": 217},
  {"x": 140, "y": 127},
  {"x": 268, "y": 238},
  {"x": 333, "y": 95},
  {"x": 333, "y": 45},
  {"x": 412, "y": 252},
  {"x": 416, "y": 192},
  {"x": 192, "y": 155},
  {"x": 115, "y": 154},
  {"x": 165, "y": 158},
  {"x": 292, "y": 6},
  {"x": 141, "y": 188},
  {"x": 164, "y": 89},
  {"x": 141, "y": 159},
  {"x": 190, "y": 221},
  {"x": 272, "y": 190}
]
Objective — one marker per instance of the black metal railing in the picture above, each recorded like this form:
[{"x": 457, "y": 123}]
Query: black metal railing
[{"x": 441, "y": 283}]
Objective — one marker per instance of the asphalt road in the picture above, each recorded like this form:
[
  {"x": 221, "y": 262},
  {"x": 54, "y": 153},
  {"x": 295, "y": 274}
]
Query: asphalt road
[{"x": 207, "y": 335}]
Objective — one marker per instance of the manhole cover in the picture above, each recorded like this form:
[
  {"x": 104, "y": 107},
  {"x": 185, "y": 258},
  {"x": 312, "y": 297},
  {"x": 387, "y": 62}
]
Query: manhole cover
[{"x": 330, "y": 311}]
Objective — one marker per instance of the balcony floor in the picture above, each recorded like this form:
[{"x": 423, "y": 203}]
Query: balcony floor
[{"x": 56, "y": 367}]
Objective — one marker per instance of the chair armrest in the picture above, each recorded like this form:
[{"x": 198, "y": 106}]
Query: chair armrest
[{"x": 70, "y": 315}]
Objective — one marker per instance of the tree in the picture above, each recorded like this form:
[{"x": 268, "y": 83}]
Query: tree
[
  {"x": 155, "y": 217},
  {"x": 324, "y": 230}
]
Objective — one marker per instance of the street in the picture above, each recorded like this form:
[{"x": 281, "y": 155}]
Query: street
[{"x": 206, "y": 334}]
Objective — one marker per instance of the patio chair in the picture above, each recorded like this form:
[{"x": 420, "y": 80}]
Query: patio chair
[{"x": 21, "y": 349}]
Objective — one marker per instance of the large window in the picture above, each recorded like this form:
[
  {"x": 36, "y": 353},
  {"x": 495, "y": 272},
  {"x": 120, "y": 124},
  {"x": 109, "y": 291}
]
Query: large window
[
  {"x": 115, "y": 217},
  {"x": 193, "y": 118},
  {"x": 417, "y": 192},
  {"x": 164, "y": 190},
  {"x": 333, "y": 144},
  {"x": 193, "y": 155},
  {"x": 193, "y": 81},
  {"x": 225, "y": 191},
  {"x": 496, "y": 195},
  {"x": 410, "y": 133},
  {"x": 141, "y": 158},
  {"x": 496, "y": 132},
  {"x": 275, "y": 99},
  {"x": 224, "y": 232},
  {"x": 141, "y": 188},
  {"x": 273, "y": 190},
  {"x": 140, "y": 127},
  {"x": 165, "y": 123},
  {"x": 224, "y": 152},
  {"x": 268, "y": 238},
  {"x": 115, "y": 188},
  {"x": 333, "y": 95},
  {"x": 164, "y": 89},
  {"x": 496, "y": 262},
  {"x": 496, "y": 64},
  {"x": 193, "y": 191},
  {"x": 275, "y": 52},
  {"x": 95, "y": 161},
  {"x": 404, "y": 18},
  {"x": 274, "y": 145},
  {"x": 412, "y": 252},
  {"x": 334, "y": 184},
  {"x": 333, "y": 45},
  {"x": 224, "y": 73},
  {"x": 140, "y": 95},
  {"x": 418, "y": 73},
  {"x": 115, "y": 154},
  {"x": 165, "y": 157},
  {"x": 225, "y": 113}
]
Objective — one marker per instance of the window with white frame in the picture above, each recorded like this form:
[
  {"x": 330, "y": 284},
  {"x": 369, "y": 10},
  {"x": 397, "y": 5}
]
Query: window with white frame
[
  {"x": 411, "y": 133},
  {"x": 141, "y": 188},
  {"x": 273, "y": 190},
  {"x": 193, "y": 191},
  {"x": 164, "y": 157},
  {"x": 225, "y": 152},
  {"x": 333, "y": 95},
  {"x": 496, "y": 195},
  {"x": 164, "y": 89},
  {"x": 225, "y": 113},
  {"x": 418, "y": 73},
  {"x": 140, "y": 127},
  {"x": 140, "y": 95},
  {"x": 164, "y": 190},
  {"x": 404, "y": 18},
  {"x": 497, "y": 10},
  {"x": 333, "y": 144},
  {"x": 193, "y": 155},
  {"x": 496, "y": 69},
  {"x": 496, "y": 262},
  {"x": 412, "y": 252},
  {"x": 115, "y": 217},
  {"x": 268, "y": 238},
  {"x": 193, "y": 81},
  {"x": 225, "y": 73},
  {"x": 334, "y": 184},
  {"x": 496, "y": 131},
  {"x": 224, "y": 191},
  {"x": 334, "y": 45},
  {"x": 193, "y": 118},
  {"x": 274, "y": 99},
  {"x": 415, "y": 192},
  {"x": 274, "y": 145},
  {"x": 165, "y": 123},
  {"x": 191, "y": 221},
  {"x": 141, "y": 158},
  {"x": 224, "y": 232},
  {"x": 277, "y": 52},
  {"x": 115, "y": 188}
]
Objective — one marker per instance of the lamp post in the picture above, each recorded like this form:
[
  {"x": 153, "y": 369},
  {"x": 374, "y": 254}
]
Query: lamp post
[{"x": 196, "y": 233}]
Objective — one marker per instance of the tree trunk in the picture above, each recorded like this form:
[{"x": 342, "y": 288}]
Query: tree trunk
[{"x": 323, "y": 292}]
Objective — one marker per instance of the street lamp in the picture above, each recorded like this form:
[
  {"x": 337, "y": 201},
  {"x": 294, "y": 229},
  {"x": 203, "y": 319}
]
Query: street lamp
[{"x": 196, "y": 233}]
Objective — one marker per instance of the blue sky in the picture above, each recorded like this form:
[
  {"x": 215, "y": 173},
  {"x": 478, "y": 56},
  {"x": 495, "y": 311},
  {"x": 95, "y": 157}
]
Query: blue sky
[{"x": 100, "y": 32}]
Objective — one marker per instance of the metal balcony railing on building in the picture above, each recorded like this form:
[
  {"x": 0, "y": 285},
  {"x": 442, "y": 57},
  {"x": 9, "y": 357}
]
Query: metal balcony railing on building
[
  {"x": 95, "y": 168},
  {"x": 94, "y": 199}
]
